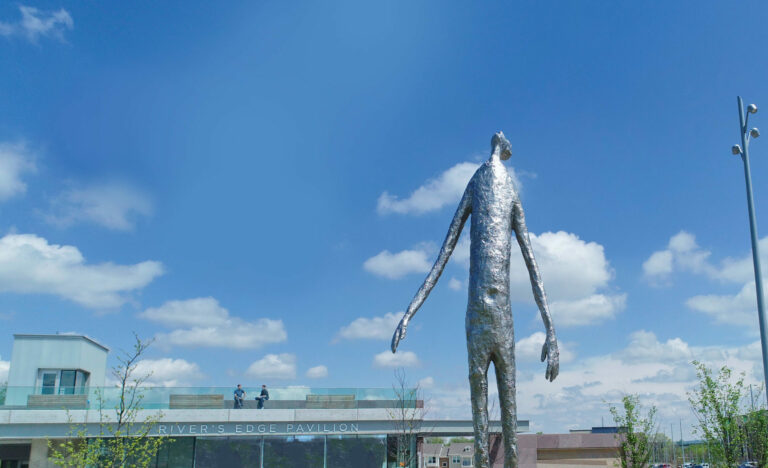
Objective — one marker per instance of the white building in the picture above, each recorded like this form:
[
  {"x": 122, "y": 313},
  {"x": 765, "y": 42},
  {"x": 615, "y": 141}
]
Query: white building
[{"x": 54, "y": 365}]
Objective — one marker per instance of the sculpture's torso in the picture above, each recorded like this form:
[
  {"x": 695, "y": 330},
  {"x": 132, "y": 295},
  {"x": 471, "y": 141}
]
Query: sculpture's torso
[{"x": 493, "y": 200}]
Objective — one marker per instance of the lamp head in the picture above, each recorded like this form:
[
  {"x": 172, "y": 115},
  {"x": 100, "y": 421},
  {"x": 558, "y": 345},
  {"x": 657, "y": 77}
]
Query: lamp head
[
  {"x": 754, "y": 133},
  {"x": 736, "y": 149},
  {"x": 752, "y": 109}
]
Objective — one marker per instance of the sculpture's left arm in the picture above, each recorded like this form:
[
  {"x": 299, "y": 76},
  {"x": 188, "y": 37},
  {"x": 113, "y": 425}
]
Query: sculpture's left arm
[{"x": 549, "y": 351}]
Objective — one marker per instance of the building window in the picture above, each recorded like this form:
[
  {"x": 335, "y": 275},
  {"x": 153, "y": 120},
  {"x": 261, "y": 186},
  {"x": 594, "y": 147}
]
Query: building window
[
  {"x": 432, "y": 460},
  {"x": 67, "y": 382},
  {"x": 63, "y": 381},
  {"x": 456, "y": 459},
  {"x": 466, "y": 462},
  {"x": 444, "y": 464},
  {"x": 48, "y": 383}
]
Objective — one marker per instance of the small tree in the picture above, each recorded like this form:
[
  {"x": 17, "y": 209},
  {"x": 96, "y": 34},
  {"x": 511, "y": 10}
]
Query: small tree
[
  {"x": 716, "y": 402},
  {"x": 637, "y": 432},
  {"x": 407, "y": 418},
  {"x": 756, "y": 433},
  {"x": 123, "y": 439}
]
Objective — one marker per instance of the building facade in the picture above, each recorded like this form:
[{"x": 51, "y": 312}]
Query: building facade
[{"x": 299, "y": 427}]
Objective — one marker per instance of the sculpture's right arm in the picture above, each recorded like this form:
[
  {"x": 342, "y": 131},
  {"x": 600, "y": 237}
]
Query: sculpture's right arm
[{"x": 454, "y": 231}]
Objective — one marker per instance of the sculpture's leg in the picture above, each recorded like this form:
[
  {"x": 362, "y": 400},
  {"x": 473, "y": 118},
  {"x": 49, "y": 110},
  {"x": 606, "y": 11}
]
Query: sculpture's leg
[
  {"x": 479, "y": 360},
  {"x": 504, "y": 363}
]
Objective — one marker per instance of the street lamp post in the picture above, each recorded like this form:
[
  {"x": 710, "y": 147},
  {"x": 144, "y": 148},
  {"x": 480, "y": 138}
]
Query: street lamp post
[{"x": 743, "y": 150}]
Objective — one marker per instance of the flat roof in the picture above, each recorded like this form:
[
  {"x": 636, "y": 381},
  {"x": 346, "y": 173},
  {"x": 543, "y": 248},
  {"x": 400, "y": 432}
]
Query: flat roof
[{"x": 60, "y": 336}]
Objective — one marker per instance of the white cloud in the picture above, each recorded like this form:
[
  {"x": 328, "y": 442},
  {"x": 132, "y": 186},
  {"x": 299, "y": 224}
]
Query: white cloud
[
  {"x": 211, "y": 325},
  {"x": 201, "y": 312},
  {"x": 387, "y": 359},
  {"x": 397, "y": 265},
  {"x": 317, "y": 372},
  {"x": 447, "y": 188},
  {"x": 4, "y": 367},
  {"x": 114, "y": 206},
  {"x": 529, "y": 348},
  {"x": 574, "y": 272},
  {"x": 683, "y": 254},
  {"x": 736, "y": 309},
  {"x": 30, "y": 265},
  {"x": 658, "y": 264},
  {"x": 572, "y": 269},
  {"x": 15, "y": 160},
  {"x": 741, "y": 270},
  {"x": 592, "y": 309},
  {"x": 291, "y": 392},
  {"x": 36, "y": 23},
  {"x": 455, "y": 284},
  {"x": 274, "y": 366},
  {"x": 751, "y": 352},
  {"x": 426, "y": 382},
  {"x": 237, "y": 334},
  {"x": 167, "y": 372},
  {"x": 645, "y": 347},
  {"x": 374, "y": 328}
]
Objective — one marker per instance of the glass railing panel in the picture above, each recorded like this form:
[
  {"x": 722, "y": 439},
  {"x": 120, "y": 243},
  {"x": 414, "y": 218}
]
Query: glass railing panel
[{"x": 194, "y": 397}]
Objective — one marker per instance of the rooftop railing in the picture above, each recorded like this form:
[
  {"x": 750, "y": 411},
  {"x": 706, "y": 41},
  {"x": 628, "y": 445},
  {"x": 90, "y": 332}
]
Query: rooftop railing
[{"x": 293, "y": 397}]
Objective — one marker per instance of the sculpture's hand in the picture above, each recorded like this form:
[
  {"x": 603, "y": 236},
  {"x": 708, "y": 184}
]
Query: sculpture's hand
[
  {"x": 399, "y": 333},
  {"x": 550, "y": 352}
]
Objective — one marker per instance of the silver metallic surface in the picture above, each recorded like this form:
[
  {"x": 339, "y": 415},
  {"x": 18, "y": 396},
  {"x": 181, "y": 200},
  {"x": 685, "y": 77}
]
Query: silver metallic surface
[{"x": 493, "y": 202}]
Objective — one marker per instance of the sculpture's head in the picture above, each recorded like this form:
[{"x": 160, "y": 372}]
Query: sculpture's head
[{"x": 501, "y": 144}]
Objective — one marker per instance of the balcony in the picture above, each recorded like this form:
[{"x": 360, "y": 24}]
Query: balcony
[{"x": 169, "y": 398}]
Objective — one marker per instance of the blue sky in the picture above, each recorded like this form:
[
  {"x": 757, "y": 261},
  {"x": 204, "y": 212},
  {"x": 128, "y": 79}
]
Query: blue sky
[{"x": 262, "y": 187}]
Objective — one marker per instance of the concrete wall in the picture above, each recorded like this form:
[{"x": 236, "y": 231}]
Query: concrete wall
[
  {"x": 564, "y": 451},
  {"x": 38, "y": 456}
]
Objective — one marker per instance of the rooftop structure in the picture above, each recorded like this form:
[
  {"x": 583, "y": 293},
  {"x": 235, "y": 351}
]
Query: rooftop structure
[{"x": 66, "y": 364}]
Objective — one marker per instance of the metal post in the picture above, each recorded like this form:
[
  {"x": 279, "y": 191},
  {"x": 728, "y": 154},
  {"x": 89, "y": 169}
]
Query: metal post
[
  {"x": 261, "y": 453},
  {"x": 682, "y": 447},
  {"x": 674, "y": 452},
  {"x": 755, "y": 247}
]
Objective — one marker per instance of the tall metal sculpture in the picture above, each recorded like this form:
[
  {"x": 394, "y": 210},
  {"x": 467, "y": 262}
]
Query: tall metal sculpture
[{"x": 493, "y": 202}]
